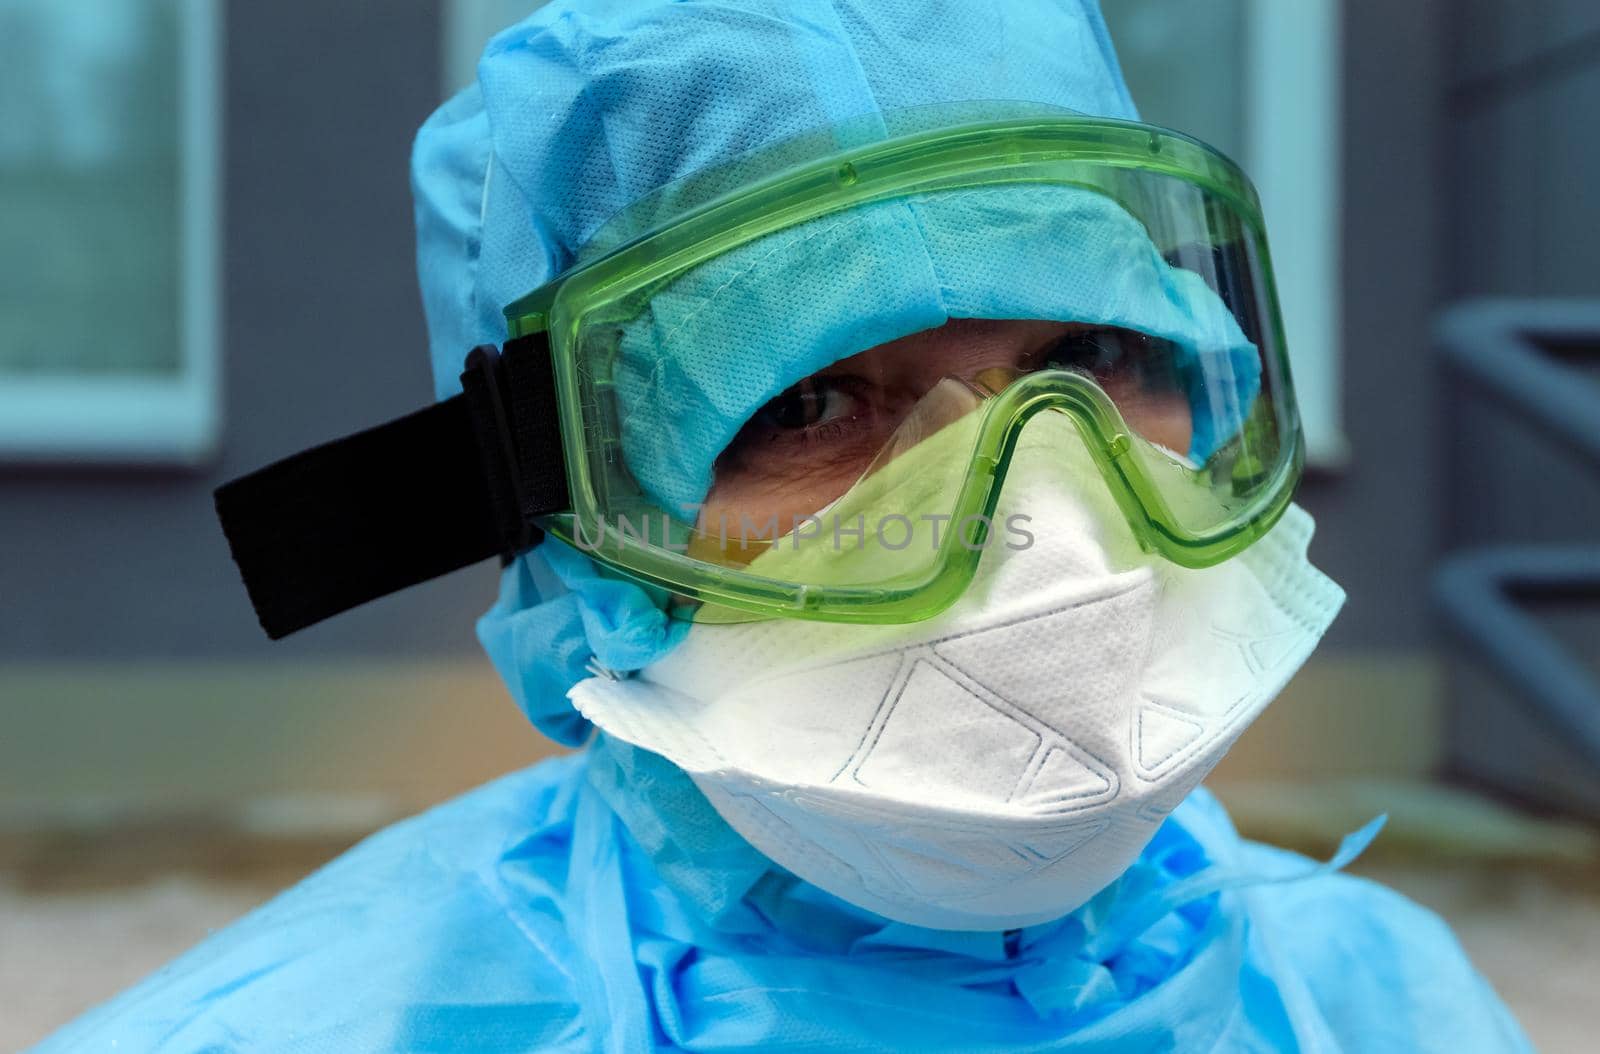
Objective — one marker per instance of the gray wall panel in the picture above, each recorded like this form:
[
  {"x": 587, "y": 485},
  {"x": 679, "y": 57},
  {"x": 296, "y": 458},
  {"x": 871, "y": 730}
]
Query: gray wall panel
[
  {"x": 1524, "y": 212},
  {"x": 1372, "y": 532},
  {"x": 1524, "y": 221},
  {"x": 1492, "y": 36},
  {"x": 1567, "y": 164},
  {"x": 1493, "y": 199}
]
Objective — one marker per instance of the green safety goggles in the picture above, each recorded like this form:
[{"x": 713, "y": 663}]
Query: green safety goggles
[{"x": 796, "y": 386}]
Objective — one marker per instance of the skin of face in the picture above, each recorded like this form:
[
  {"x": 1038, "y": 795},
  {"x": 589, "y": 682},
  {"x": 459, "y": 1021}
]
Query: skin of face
[{"x": 813, "y": 442}]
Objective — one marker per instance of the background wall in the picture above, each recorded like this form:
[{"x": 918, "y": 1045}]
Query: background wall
[
  {"x": 132, "y": 672},
  {"x": 1523, "y": 93},
  {"x": 322, "y": 335},
  {"x": 133, "y": 676},
  {"x": 1521, "y": 167},
  {"x": 1523, "y": 86}
]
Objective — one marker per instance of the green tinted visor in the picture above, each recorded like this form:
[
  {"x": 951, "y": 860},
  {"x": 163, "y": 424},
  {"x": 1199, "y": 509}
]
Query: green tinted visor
[
  {"x": 802, "y": 384},
  {"x": 803, "y": 397}
]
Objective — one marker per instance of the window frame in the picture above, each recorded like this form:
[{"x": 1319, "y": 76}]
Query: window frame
[
  {"x": 172, "y": 420},
  {"x": 1294, "y": 153}
]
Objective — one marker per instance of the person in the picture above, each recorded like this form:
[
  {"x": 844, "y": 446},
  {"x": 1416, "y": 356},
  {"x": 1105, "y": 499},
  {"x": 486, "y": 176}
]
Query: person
[{"x": 891, "y": 443}]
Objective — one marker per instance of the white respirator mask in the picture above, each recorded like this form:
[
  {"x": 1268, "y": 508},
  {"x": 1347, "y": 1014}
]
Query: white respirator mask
[{"x": 995, "y": 766}]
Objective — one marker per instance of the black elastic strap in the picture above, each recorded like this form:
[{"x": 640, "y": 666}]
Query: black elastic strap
[{"x": 361, "y": 517}]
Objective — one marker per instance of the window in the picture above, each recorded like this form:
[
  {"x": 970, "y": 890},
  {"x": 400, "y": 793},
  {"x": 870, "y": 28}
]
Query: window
[{"x": 108, "y": 230}]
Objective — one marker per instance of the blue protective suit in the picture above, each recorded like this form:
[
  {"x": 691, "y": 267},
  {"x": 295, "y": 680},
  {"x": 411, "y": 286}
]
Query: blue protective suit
[
  {"x": 597, "y": 902},
  {"x": 524, "y": 917}
]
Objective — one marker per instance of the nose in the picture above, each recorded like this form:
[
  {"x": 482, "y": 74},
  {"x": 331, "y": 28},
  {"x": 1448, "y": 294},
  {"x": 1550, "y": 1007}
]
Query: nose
[{"x": 987, "y": 353}]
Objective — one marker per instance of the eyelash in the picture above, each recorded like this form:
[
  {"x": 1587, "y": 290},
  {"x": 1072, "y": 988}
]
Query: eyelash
[{"x": 844, "y": 385}]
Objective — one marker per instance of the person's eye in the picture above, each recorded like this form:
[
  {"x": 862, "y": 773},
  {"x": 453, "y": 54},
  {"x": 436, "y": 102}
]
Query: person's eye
[
  {"x": 1130, "y": 360},
  {"x": 1097, "y": 352},
  {"x": 814, "y": 401}
]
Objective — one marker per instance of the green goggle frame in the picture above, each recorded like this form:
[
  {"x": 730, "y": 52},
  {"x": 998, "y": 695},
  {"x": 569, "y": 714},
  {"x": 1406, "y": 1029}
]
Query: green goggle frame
[{"x": 532, "y": 445}]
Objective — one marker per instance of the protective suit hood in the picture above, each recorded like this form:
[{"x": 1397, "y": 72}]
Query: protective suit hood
[{"x": 584, "y": 108}]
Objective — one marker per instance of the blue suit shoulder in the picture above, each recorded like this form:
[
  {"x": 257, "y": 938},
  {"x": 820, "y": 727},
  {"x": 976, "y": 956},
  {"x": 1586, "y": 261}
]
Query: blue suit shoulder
[
  {"x": 1385, "y": 973},
  {"x": 408, "y": 941}
]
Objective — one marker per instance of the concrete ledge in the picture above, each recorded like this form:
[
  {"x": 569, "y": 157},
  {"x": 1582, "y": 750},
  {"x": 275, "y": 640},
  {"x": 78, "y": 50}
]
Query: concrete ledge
[
  {"x": 1373, "y": 714},
  {"x": 294, "y": 748},
  {"x": 299, "y": 750}
]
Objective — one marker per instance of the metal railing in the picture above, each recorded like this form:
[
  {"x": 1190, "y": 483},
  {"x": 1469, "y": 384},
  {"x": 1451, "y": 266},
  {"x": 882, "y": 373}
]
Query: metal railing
[{"x": 1529, "y": 359}]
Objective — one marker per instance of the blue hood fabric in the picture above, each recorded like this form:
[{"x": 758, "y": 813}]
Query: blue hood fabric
[
  {"x": 715, "y": 345},
  {"x": 596, "y": 902},
  {"x": 589, "y": 105},
  {"x": 525, "y": 917},
  {"x": 586, "y": 107}
]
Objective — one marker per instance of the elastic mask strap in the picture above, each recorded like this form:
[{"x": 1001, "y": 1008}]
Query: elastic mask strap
[{"x": 362, "y": 517}]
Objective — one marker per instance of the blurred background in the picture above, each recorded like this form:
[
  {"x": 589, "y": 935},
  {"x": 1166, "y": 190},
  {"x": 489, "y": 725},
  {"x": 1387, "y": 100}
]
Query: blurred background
[{"x": 206, "y": 264}]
